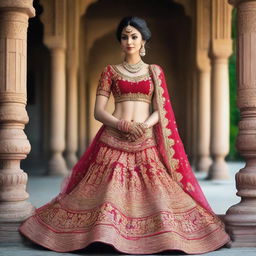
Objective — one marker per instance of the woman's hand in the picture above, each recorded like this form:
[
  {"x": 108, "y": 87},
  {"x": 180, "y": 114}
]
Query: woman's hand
[{"x": 133, "y": 130}]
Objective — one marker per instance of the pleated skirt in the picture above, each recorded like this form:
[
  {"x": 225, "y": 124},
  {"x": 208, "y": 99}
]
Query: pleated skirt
[{"x": 126, "y": 199}]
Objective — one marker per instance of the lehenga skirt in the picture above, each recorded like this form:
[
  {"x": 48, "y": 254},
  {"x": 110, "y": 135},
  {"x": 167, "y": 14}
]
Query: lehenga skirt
[{"x": 126, "y": 199}]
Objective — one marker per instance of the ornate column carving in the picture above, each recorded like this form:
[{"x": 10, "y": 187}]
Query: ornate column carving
[
  {"x": 204, "y": 80},
  {"x": 14, "y": 145},
  {"x": 54, "y": 19},
  {"x": 73, "y": 16},
  {"x": 241, "y": 218},
  {"x": 221, "y": 49}
]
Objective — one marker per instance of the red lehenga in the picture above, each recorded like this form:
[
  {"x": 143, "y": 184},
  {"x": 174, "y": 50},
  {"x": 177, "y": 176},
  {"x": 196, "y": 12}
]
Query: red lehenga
[{"x": 141, "y": 197}]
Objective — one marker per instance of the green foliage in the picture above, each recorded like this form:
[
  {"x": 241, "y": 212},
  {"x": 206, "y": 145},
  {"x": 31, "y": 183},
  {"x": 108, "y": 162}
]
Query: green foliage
[{"x": 234, "y": 111}]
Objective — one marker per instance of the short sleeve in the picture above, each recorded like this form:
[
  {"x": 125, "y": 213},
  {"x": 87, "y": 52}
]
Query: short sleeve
[{"x": 105, "y": 81}]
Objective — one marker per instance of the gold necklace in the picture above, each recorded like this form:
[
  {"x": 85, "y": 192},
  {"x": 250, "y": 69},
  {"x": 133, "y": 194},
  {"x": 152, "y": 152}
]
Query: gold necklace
[{"x": 133, "y": 68}]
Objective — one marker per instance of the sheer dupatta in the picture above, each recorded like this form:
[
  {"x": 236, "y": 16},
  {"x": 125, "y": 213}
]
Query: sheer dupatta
[
  {"x": 81, "y": 167},
  {"x": 170, "y": 144}
]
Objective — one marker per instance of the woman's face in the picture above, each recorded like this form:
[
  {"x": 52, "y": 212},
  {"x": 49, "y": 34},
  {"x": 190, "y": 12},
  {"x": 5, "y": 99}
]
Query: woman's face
[{"x": 131, "y": 40}]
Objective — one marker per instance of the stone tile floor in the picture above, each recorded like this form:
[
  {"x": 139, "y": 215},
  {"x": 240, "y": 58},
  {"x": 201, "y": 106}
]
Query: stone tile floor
[{"x": 220, "y": 194}]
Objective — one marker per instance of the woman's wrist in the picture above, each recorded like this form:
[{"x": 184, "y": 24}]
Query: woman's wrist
[
  {"x": 145, "y": 125},
  {"x": 123, "y": 125}
]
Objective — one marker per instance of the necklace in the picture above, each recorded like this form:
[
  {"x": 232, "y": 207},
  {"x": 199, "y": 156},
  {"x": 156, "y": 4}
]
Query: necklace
[{"x": 133, "y": 68}]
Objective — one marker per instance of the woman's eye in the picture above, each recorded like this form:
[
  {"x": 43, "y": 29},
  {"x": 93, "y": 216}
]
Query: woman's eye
[
  {"x": 134, "y": 37},
  {"x": 123, "y": 38}
]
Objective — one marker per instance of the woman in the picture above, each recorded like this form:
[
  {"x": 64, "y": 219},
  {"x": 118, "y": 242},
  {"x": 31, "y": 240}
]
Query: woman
[{"x": 133, "y": 188}]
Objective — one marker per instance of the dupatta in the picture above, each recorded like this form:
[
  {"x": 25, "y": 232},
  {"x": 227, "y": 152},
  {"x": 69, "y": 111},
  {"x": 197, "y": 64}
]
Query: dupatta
[{"x": 168, "y": 142}]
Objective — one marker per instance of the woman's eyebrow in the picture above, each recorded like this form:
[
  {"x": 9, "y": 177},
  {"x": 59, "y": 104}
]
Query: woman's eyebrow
[{"x": 131, "y": 34}]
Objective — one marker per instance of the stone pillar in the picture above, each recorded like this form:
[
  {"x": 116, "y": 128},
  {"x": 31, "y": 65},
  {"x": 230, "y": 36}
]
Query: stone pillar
[
  {"x": 54, "y": 19},
  {"x": 82, "y": 104},
  {"x": 241, "y": 218},
  {"x": 72, "y": 86},
  {"x": 83, "y": 111},
  {"x": 204, "y": 81},
  {"x": 14, "y": 145},
  {"x": 221, "y": 49},
  {"x": 57, "y": 164}
]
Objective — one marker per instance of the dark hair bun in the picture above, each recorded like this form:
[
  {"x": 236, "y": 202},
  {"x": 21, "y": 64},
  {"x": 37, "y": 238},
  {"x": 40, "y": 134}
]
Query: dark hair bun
[{"x": 136, "y": 22}]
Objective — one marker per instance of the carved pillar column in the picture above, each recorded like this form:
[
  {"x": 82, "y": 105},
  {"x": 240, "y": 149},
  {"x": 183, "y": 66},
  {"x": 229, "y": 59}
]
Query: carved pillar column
[
  {"x": 221, "y": 49},
  {"x": 54, "y": 19},
  {"x": 241, "y": 218},
  {"x": 72, "y": 86},
  {"x": 81, "y": 95},
  {"x": 204, "y": 80},
  {"x": 14, "y": 145}
]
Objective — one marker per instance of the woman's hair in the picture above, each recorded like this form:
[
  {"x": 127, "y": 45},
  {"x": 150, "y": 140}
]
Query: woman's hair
[{"x": 136, "y": 22}]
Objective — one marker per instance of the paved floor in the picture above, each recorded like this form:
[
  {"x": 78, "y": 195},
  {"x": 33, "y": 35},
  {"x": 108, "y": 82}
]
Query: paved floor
[{"x": 220, "y": 194}]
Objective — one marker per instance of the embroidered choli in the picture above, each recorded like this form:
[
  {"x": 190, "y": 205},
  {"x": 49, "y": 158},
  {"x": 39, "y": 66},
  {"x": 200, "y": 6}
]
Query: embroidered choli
[{"x": 123, "y": 87}]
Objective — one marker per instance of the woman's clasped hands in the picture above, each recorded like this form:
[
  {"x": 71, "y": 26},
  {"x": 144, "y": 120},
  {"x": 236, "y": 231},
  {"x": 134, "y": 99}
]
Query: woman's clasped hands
[{"x": 131, "y": 130}]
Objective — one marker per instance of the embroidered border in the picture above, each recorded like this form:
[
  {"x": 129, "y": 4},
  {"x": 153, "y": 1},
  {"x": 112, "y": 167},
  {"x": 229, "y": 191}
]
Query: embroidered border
[
  {"x": 169, "y": 142},
  {"x": 115, "y": 139}
]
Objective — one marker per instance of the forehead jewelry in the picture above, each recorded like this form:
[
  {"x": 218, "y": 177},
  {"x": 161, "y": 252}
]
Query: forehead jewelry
[{"x": 128, "y": 29}]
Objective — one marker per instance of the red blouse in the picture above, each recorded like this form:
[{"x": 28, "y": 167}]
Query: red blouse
[{"x": 123, "y": 87}]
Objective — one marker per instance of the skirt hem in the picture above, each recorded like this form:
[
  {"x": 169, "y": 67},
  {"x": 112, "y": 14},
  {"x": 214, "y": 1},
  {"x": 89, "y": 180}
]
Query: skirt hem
[{"x": 108, "y": 235}]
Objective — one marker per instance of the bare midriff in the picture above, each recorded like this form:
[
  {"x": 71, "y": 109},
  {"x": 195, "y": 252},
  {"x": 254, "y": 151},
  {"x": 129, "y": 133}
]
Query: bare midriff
[{"x": 137, "y": 111}]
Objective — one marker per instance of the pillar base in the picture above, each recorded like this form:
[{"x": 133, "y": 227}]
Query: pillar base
[
  {"x": 242, "y": 236},
  {"x": 240, "y": 220},
  {"x": 57, "y": 166},
  {"x": 219, "y": 170},
  {"x": 204, "y": 164},
  {"x": 12, "y": 214}
]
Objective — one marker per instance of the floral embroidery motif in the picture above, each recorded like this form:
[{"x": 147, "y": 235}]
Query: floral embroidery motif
[
  {"x": 167, "y": 132},
  {"x": 125, "y": 88},
  {"x": 184, "y": 223},
  {"x": 104, "y": 85},
  {"x": 128, "y": 196},
  {"x": 115, "y": 139}
]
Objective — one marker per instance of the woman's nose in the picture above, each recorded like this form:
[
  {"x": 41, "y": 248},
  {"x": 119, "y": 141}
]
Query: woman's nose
[{"x": 129, "y": 40}]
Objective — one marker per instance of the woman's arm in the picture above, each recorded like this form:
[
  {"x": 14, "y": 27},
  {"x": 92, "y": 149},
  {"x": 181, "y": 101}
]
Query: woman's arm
[
  {"x": 101, "y": 114},
  {"x": 151, "y": 121},
  {"x": 154, "y": 117},
  {"x": 102, "y": 95}
]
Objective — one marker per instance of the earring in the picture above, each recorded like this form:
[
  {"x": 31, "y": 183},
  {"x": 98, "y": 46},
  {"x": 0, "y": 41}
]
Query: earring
[{"x": 142, "y": 50}]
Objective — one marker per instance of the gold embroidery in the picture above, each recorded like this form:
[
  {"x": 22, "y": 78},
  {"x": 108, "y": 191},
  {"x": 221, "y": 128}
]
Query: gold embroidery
[
  {"x": 187, "y": 224},
  {"x": 127, "y": 199},
  {"x": 115, "y": 139},
  {"x": 164, "y": 122},
  {"x": 69, "y": 241},
  {"x": 104, "y": 85},
  {"x": 135, "y": 96}
]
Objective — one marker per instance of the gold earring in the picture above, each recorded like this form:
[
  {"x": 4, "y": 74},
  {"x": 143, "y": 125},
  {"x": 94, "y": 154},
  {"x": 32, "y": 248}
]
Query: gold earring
[{"x": 142, "y": 50}]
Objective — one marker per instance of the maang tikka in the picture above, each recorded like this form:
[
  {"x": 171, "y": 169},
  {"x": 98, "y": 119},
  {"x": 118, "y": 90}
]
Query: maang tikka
[
  {"x": 128, "y": 29},
  {"x": 142, "y": 50}
]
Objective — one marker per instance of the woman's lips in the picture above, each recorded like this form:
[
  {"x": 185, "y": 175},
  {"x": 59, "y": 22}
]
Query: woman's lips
[{"x": 129, "y": 48}]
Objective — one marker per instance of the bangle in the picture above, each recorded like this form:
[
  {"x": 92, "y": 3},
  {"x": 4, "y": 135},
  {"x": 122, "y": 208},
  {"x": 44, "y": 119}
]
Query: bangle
[{"x": 144, "y": 126}]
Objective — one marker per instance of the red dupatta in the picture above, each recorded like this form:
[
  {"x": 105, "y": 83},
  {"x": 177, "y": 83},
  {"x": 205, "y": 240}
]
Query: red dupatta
[{"x": 168, "y": 143}]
